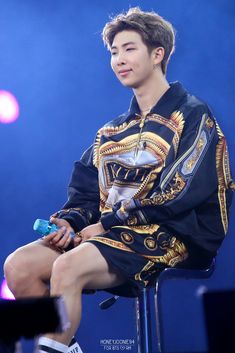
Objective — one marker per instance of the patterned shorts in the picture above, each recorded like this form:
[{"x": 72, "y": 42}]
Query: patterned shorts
[{"x": 139, "y": 253}]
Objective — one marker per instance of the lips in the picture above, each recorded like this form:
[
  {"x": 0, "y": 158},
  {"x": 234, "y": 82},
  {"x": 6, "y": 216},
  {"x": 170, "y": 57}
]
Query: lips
[{"x": 124, "y": 72}]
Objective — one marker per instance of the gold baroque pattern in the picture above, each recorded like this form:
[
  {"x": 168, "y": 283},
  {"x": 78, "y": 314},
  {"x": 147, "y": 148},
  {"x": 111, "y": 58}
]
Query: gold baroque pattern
[
  {"x": 209, "y": 123},
  {"x": 175, "y": 123},
  {"x": 127, "y": 238},
  {"x": 171, "y": 192},
  {"x": 112, "y": 243},
  {"x": 132, "y": 220},
  {"x": 66, "y": 211},
  {"x": 224, "y": 175},
  {"x": 220, "y": 158},
  {"x": 158, "y": 146},
  {"x": 138, "y": 276},
  {"x": 190, "y": 163},
  {"x": 142, "y": 229},
  {"x": 177, "y": 253},
  {"x": 150, "y": 243},
  {"x": 174, "y": 255},
  {"x": 114, "y": 130},
  {"x": 109, "y": 131},
  {"x": 164, "y": 244},
  {"x": 155, "y": 143}
]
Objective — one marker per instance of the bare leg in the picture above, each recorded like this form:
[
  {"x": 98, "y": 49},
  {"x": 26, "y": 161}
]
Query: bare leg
[
  {"x": 83, "y": 267},
  {"x": 28, "y": 269}
]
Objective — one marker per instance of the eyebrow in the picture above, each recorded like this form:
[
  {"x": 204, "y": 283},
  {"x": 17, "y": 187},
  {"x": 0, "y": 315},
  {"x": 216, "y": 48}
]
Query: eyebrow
[{"x": 123, "y": 45}]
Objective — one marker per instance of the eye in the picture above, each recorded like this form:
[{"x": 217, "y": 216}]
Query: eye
[
  {"x": 129, "y": 49},
  {"x": 113, "y": 53}
]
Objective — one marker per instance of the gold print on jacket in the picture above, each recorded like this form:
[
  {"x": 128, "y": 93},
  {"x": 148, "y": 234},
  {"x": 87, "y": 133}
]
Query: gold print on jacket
[
  {"x": 224, "y": 175},
  {"x": 190, "y": 163},
  {"x": 174, "y": 188},
  {"x": 151, "y": 142},
  {"x": 120, "y": 168},
  {"x": 192, "y": 160},
  {"x": 109, "y": 131},
  {"x": 209, "y": 123},
  {"x": 175, "y": 123},
  {"x": 119, "y": 172}
]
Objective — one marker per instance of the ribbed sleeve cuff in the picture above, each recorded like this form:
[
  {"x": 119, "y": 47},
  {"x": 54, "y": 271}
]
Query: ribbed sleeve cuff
[{"x": 76, "y": 220}]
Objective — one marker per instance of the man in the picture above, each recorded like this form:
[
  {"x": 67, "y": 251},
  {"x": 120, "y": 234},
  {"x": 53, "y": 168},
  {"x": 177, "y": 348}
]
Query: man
[{"x": 153, "y": 190}]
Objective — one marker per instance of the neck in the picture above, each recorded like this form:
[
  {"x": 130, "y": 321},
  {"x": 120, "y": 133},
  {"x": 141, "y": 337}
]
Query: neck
[{"x": 148, "y": 94}]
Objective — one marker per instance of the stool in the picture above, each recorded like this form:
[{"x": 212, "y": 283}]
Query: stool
[{"x": 143, "y": 311}]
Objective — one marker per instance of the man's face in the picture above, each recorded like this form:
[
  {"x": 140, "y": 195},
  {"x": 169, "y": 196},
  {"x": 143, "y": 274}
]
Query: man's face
[{"x": 130, "y": 59}]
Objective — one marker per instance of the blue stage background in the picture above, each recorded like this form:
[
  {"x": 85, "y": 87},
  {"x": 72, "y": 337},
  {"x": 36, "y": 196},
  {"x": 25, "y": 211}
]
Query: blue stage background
[{"x": 53, "y": 60}]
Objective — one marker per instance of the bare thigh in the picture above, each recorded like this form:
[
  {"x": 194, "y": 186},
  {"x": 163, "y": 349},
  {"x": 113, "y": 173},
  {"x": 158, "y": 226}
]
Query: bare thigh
[
  {"x": 86, "y": 266},
  {"x": 34, "y": 260}
]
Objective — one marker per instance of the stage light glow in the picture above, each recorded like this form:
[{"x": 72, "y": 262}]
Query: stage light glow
[
  {"x": 9, "y": 107},
  {"x": 5, "y": 292}
]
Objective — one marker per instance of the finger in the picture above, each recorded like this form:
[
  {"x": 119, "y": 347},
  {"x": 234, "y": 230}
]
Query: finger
[
  {"x": 68, "y": 241},
  {"x": 64, "y": 241},
  {"x": 49, "y": 237},
  {"x": 66, "y": 238},
  {"x": 58, "y": 235}
]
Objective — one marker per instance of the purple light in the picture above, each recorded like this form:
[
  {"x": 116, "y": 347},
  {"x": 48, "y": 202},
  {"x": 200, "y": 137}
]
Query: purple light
[
  {"x": 9, "y": 107},
  {"x": 5, "y": 292}
]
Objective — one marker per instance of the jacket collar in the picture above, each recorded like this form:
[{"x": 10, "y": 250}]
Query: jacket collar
[{"x": 169, "y": 102}]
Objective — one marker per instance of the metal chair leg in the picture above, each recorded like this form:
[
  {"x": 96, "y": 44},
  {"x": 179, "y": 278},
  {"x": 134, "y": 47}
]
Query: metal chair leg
[
  {"x": 158, "y": 315},
  {"x": 143, "y": 321},
  {"x": 168, "y": 274}
]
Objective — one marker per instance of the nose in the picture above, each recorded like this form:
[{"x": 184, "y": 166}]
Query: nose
[{"x": 120, "y": 59}]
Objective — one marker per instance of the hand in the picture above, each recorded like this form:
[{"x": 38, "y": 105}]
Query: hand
[
  {"x": 61, "y": 238},
  {"x": 91, "y": 231}
]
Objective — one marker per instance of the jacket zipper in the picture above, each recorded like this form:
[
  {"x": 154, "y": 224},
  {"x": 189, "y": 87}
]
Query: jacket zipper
[{"x": 141, "y": 125}]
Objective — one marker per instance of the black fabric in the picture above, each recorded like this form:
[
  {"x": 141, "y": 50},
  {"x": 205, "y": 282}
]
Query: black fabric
[
  {"x": 172, "y": 172},
  {"x": 48, "y": 349},
  {"x": 139, "y": 256}
]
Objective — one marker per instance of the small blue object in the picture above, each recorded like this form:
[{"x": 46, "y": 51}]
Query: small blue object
[{"x": 44, "y": 227}]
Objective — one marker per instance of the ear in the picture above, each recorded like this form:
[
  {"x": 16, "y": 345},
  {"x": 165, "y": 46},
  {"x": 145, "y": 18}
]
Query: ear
[{"x": 158, "y": 55}]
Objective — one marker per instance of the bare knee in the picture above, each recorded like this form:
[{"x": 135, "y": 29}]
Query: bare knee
[
  {"x": 82, "y": 268},
  {"x": 16, "y": 270},
  {"x": 29, "y": 268},
  {"x": 64, "y": 277}
]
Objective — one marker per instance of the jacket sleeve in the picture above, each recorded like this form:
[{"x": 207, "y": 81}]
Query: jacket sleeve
[
  {"x": 197, "y": 173},
  {"x": 82, "y": 206}
]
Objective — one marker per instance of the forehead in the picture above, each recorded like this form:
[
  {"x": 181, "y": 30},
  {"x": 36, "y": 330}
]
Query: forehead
[{"x": 124, "y": 37}]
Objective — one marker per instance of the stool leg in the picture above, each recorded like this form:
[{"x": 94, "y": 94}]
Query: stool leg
[
  {"x": 158, "y": 314},
  {"x": 143, "y": 321}
]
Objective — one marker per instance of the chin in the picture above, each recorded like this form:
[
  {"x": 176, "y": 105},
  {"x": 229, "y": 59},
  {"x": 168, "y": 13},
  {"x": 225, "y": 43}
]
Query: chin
[{"x": 130, "y": 84}]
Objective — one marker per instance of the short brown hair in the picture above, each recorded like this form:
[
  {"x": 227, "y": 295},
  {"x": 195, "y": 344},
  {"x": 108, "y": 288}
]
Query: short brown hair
[{"x": 154, "y": 30}]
